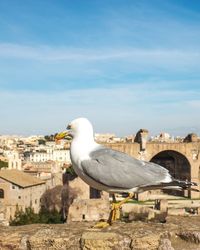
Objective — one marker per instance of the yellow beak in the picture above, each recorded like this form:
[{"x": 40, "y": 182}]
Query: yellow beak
[{"x": 62, "y": 135}]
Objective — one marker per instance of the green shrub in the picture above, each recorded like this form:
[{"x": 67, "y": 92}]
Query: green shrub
[
  {"x": 50, "y": 217},
  {"x": 30, "y": 217},
  {"x": 24, "y": 217},
  {"x": 3, "y": 164}
]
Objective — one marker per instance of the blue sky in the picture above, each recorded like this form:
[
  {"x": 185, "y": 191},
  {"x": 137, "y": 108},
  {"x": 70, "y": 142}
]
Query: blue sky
[{"x": 124, "y": 65}]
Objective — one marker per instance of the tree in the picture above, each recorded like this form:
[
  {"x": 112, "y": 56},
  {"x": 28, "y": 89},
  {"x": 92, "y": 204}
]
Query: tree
[
  {"x": 3, "y": 164},
  {"x": 58, "y": 199},
  {"x": 30, "y": 217},
  {"x": 50, "y": 217},
  {"x": 51, "y": 199},
  {"x": 41, "y": 142},
  {"x": 50, "y": 137},
  {"x": 24, "y": 217}
]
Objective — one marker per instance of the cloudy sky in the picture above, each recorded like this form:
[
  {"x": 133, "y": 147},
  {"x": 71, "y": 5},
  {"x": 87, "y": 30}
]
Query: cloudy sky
[{"x": 124, "y": 64}]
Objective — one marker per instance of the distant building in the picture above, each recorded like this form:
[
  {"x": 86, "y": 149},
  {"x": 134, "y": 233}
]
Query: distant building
[
  {"x": 129, "y": 138},
  {"x": 61, "y": 156},
  {"x": 19, "y": 189},
  {"x": 14, "y": 160},
  {"x": 104, "y": 137},
  {"x": 48, "y": 171},
  {"x": 164, "y": 137},
  {"x": 107, "y": 138}
]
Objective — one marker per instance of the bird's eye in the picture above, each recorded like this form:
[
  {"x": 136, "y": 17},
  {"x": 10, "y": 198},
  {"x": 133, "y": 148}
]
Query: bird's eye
[{"x": 69, "y": 126}]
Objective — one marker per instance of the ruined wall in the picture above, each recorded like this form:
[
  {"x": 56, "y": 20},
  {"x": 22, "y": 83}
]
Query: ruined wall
[{"x": 191, "y": 151}]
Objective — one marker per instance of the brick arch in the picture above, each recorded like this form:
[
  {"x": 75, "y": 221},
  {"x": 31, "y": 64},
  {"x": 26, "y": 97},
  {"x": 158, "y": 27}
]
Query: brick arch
[
  {"x": 177, "y": 164},
  {"x": 151, "y": 150},
  {"x": 154, "y": 152}
]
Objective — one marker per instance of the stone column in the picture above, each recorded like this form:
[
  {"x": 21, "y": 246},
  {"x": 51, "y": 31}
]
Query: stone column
[{"x": 141, "y": 138}]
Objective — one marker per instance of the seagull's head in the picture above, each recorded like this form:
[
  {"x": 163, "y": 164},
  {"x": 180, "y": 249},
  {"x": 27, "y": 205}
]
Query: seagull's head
[{"x": 76, "y": 128}]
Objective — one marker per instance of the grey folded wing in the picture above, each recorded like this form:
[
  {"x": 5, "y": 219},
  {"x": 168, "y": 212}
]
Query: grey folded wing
[{"x": 116, "y": 169}]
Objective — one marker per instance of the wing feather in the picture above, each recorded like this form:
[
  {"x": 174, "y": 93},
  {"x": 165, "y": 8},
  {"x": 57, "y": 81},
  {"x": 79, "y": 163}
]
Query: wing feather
[{"x": 116, "y": 169}]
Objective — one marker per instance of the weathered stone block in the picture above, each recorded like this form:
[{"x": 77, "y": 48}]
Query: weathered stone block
[
  {"x": 176, "y": 211},
  {"x": 165, "y": 244},
  {"x": 89, "y": 210},
  {"x": 143, "y": 196},
  {"x": 161, "y": 205},
  {"x": 104, "y": 241}
]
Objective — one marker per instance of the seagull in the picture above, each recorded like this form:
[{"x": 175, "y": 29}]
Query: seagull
[{"x": 112, "y": 171}]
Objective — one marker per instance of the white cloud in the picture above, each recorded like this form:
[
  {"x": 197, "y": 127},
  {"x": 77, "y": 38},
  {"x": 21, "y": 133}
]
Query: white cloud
[
  {"x": 63, "y": 66},
  {"x": 194, "y": 104},
  {"x": 47, "y": 53},
  {"x": 120, "y": 109}
]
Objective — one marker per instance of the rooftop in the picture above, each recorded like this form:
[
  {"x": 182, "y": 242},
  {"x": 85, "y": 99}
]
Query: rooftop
[{"x": 19, "y": 178}]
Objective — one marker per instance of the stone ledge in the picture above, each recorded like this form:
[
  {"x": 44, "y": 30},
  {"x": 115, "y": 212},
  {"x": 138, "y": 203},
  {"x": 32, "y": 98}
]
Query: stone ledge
[{"x": 177, "y": 234}]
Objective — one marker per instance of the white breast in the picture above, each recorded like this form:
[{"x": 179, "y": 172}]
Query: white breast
[{"x": 80, "y": 151}]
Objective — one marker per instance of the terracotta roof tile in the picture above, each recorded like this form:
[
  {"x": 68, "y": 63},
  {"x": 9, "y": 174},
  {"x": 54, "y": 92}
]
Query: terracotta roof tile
[{"x": 19, "y": 178}]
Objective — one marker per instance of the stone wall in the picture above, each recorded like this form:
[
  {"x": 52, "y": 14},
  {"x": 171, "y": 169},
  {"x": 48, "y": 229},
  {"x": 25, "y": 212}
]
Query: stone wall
[
  {"x": 89, "y": 210},
  {"x": 3, "y": 220},
  {"x": 179, "y": 233}
]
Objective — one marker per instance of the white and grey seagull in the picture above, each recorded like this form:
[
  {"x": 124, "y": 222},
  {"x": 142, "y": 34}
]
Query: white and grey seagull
[{"x": 115, "y": 172}]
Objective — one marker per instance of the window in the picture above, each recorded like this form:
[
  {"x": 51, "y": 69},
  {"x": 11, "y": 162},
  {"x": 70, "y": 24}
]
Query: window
[
  {"x": 94, "y": 193},
  {"x": 13, "y": 187},
  {"x": 19, "y": 197},
  {"x": 1, "y": 193}
]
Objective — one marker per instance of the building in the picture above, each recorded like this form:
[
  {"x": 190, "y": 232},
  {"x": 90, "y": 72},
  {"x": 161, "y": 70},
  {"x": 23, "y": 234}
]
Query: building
[
  {"x": 105, "y": 138},
  {"x": 61, "y": 156},
  {"x": 48, "y": 171},
  {"x": 19, "y": 189},
  {"x": 14, "y": 160}
]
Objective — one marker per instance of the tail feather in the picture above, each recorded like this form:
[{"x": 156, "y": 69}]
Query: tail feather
[
  {"x": 183, "y": 184},
  {"x": 174, "y": 185}
]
